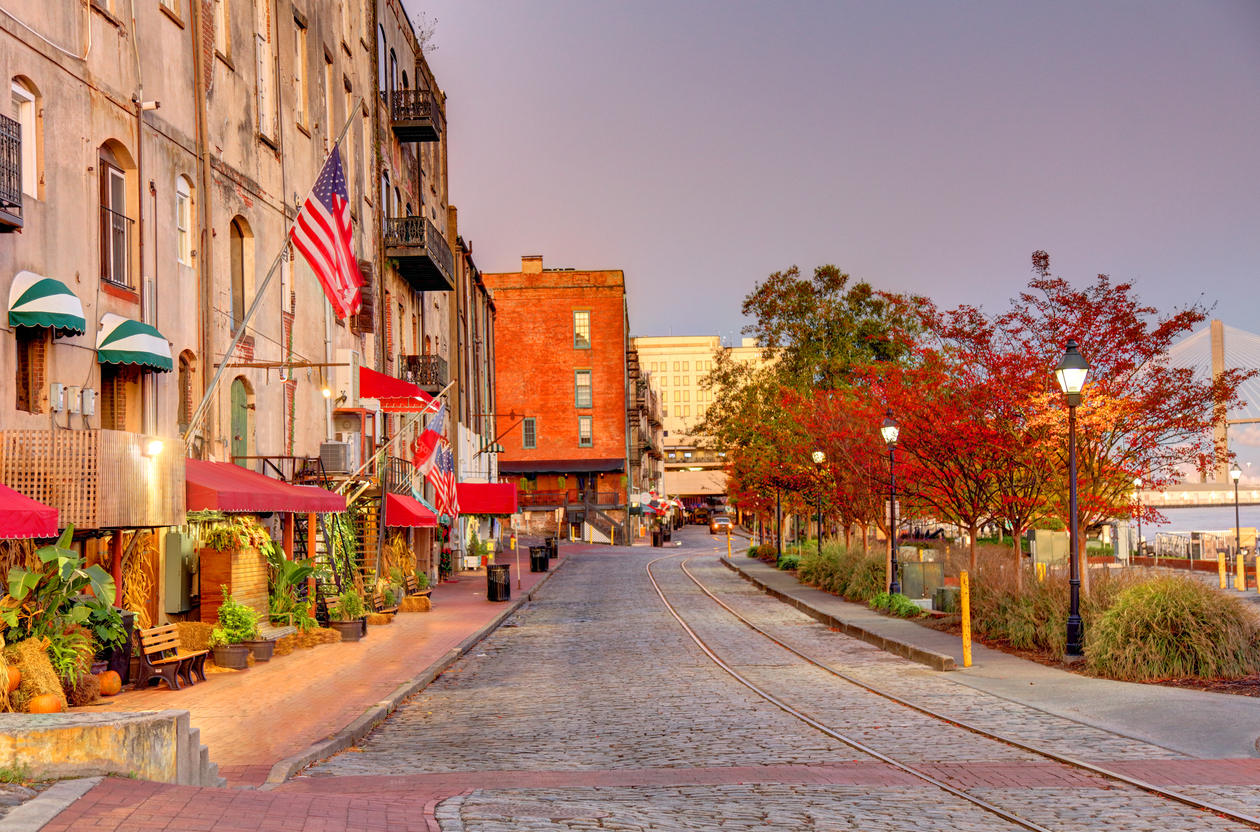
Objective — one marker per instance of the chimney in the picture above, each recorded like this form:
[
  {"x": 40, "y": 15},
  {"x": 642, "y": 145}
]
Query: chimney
[
  {"x": 531, "y": 264},
  {"x": 452, "y": 223}
]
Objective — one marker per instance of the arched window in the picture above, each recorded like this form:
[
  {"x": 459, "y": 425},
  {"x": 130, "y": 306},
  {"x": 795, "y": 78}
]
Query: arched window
[
  {"x": 409, "y": 213},
  {"x": 380, "y": 60},
  {"x": 393, "y": 71},
  {"x": 241, "y": 263},
  {"x": 405, "y": 85},
  {"x": 397, "y": 200},
  {"x": 183, "y": 220},
  {"x": 26, "y": 113},
  {"x": 117, "y": 232},
  {"x": 385, "y": 194}
]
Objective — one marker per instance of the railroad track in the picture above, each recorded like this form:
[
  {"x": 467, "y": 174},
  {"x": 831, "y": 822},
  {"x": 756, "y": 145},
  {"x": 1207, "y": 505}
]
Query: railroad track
[{"x": 909, "y": 768}]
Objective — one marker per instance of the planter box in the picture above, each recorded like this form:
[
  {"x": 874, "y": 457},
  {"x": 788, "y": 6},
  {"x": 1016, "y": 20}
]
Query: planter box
[
  {"x": 242, "y": 571},
  {"x": 262, "y": 650},
  {"x": 350, "y": 630},
  {"x": 232, "y": 657}
]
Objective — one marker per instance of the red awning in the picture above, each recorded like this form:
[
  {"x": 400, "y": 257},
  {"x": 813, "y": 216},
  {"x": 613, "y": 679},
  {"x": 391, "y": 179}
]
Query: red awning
[
  {"x": 22, "y": 517},
  {"x": 401, "y": 510},
  {"x": 223, "y": 486},
  {"x": 486, "y": 497},
  {"x": 394, "y": 394}
]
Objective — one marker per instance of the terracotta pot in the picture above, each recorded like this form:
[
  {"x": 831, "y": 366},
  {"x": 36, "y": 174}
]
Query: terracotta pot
[
  {"x": 262, "y": 649},
  {"x": 350, "y": 630},
  {"x": 232, "y": 656}
]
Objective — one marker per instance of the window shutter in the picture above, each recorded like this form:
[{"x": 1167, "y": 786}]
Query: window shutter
[{"x": 366, "y": 319}]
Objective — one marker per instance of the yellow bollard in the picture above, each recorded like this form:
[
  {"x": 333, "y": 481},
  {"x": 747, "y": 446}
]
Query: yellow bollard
[
  {"x": 1220, "y": 568},
  {"x": 1240, "y": 583},
  {"x": 728, "y": 545},
  {"x": 964, "y": 586},
  {"x": 1041, "y": 572}
]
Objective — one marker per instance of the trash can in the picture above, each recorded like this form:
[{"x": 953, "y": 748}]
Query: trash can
[
  {"x": 668, "y": 535},
  {"x": 498, "y": 582},
  {"x": 656, "y": 538},
  {"x": 538, "y": 559},
  {"x": 553, "y": 548}
]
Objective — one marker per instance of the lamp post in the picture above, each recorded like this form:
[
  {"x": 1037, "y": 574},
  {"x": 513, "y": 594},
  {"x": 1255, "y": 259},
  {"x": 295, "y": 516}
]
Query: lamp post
[
  {"x": 1137, "y": 485},
  {"x": 819, "y": 458},
  {"x": 1235, "y": 474},
  {"x": 889, "y": 430},
  {"x": 1071, "y": 374}
]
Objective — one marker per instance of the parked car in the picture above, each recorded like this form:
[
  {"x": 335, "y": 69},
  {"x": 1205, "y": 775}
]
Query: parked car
[{"x": 720, "y": 523}]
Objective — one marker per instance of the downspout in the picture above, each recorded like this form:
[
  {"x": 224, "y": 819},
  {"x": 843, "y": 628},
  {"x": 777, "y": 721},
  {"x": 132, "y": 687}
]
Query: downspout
[{"x": 205, "y": 259}]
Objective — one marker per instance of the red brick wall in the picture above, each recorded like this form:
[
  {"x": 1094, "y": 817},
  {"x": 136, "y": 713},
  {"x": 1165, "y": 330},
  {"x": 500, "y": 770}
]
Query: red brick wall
[{"x": 535, "y": 361}]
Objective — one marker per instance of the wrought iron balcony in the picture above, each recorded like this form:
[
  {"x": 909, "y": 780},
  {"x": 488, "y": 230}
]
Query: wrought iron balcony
[
  {"x": 415, "y": 115},
  {"x": 423, "y": 256},
  {"x": 429, "y": 372},
  {"x": 10, "y": 175},
  {"x": 116, "y": 248}
]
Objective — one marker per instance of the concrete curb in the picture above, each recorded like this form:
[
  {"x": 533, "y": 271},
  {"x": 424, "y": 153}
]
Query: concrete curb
[
  {"x": 936, "y": 661},
  {"x": 35, "y": 813},
  {"x": 361, "y": 727}
]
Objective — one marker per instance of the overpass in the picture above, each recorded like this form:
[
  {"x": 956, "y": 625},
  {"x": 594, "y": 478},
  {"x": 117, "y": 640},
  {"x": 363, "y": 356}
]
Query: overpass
[{"x": 1195, "y": 494}]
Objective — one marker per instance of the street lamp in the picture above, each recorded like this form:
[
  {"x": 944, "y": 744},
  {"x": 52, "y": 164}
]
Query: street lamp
[
  {"x": 819, "y": 458},
  {"x": 1071, "y": 374},
  {"x": 1235, "y": 474},
  {"x": 889, "y": 430},
  {"x": 1137, "y": 484}
]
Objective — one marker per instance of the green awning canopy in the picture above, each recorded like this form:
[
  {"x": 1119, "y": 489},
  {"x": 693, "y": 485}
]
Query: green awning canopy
[
  {"x": 42, "y": 301},
  {"x": 124, "y": 341}
]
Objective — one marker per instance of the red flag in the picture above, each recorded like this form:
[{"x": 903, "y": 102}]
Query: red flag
[
  {"x": 322, "y": 234},
  {"x": 424, "y": 447}
]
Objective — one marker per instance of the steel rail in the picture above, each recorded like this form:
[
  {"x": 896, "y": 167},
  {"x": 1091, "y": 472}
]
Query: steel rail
[
  {"x": 1187, "y": 800},
  {"x": 813, "y": 723}
]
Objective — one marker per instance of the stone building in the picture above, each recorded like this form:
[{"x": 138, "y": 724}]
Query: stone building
[
  {"x": 156, "y": 158},
  {"x": 563, "y": 370}
]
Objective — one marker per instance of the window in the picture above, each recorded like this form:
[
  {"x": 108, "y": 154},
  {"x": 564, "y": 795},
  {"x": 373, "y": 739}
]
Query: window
[
  {"x": 686, "y": 454},
  {"x": 171, "y": 5},
  {"x": 708, "y": 365},
  {"x": 183, "y": 220},
  {"x": 664, "y": 381},
  {"x": 676, "y": 380},
  {"x": 678, "y": 411},
  {"x": 684, "y": 366},
  {"x": 222, "y": 38},
  {"x": 677, "y": 395},
  {"x": 346, "y": 23},
  {"x": 582, "y": 388},
  {"x": 654, "y": 366},
  {"x": 380, "y": 60},
  {"x": 529, "y": 434},
  {"x": 236, "y": 244},
  {"x": 675, "y": 368},
  {"x": 673, "y": 455},
  {"x": 329, "y": 133},
  {"x": 115, "y": 224},
  {"x": 24, "y": 113},
  {"x": 686, "y": 395},
  {"x": 585, "y": 436},
  {"x": 686, "y": 381},
  {"x": 120, "y": 397},
  {"x": 186, "y": 401},
  {"x": 30, "y": 367},
  {"x": 582, "y": 329},
  {"x": 350, "y": 159},
  {"x": 300, "y": 87},
  {"x": 687, "y": 410}
]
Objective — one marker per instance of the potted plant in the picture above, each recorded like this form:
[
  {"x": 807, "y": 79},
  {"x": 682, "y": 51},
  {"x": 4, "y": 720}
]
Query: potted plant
[
  {"x": 237, "y": 624},
  {"x": 351, "y": 612}
]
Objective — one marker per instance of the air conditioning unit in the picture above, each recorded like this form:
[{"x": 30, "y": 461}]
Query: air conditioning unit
[
  {"x": 336, "y": 457},
  {"x": 348, "y": 377}
]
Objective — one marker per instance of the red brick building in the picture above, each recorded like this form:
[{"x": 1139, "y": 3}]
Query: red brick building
[{"x": 562, "y": 338}]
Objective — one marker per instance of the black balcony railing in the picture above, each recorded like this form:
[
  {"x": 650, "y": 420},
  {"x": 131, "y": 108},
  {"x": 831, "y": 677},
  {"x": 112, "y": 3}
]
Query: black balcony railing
[
  {"x": 423, "y": 256},
  {"x": 415, "y": 115},
  {"x": 398, "y": 476},
  {"x": 116, "y": 248},
  {"x": 10, "y": 174},
  {"x": 428, "y": 371}
]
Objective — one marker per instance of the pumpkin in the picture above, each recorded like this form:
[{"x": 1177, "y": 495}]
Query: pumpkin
[
  {"x": 111, "y": 683},
  {"x": 15, "y": 679},
  {"x": 46, "y": 704}
]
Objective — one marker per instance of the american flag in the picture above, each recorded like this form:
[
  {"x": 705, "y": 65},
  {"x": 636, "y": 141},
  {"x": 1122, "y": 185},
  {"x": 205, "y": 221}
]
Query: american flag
[
  {"x": 443, "y": 477},
  {"x": 322, "y": 234},
  {"x": 424, "y": 447}
]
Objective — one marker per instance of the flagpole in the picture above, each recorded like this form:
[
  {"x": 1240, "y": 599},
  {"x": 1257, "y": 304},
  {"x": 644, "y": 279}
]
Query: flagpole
[{"x": 200, "y": 412}]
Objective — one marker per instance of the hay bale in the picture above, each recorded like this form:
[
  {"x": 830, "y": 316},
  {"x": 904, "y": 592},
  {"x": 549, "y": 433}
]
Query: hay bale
[
  {"x": 285, "y": 645},
  {"x": 38, "y": 676},
  {"x": 194, "y": 635},
  {"x": 87, "y": 691},
  {"x": 415, "y": 603},
  {"x": 378, "y": 618}
]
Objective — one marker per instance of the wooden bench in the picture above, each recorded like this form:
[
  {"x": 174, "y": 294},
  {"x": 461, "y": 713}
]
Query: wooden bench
[
  {"x": 412, "y": 587},
  {"x": 378, "y": 605},
  {"x": 160, "y": 658}
]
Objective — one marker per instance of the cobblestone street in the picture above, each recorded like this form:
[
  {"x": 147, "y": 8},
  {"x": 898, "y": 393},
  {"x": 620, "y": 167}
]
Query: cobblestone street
[{"x": 592, "y": 708}]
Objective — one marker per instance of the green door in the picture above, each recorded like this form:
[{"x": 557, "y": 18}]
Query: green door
[{"x": 240, "y": 423}]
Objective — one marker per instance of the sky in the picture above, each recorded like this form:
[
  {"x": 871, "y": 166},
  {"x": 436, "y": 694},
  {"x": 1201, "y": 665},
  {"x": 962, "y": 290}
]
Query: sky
[{"x": 922, "y": 147}]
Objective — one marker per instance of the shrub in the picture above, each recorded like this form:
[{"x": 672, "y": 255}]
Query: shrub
[
  {"x": 350, "y": 606},
  {"x": 896, "y": 604},
  {"x": 789, "y": 562},
  {"x": 237, "y": 623},
  {"x": 844, "y": 573},
  {"x": 1175, "y": 628}
]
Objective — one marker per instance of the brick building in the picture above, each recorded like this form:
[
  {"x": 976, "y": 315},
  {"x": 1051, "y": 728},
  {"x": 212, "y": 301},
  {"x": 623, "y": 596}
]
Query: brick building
[{"x": 562, "y": 342}]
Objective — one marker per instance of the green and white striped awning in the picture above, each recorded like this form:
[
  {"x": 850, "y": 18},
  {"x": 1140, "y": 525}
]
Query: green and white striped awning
[
  {"x": 42, "y": 301},
  {"x": 124, "y": 341}
]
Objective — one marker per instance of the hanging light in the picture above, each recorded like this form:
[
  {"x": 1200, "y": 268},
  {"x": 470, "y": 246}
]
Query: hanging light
[{"x": 890, "y": 429}]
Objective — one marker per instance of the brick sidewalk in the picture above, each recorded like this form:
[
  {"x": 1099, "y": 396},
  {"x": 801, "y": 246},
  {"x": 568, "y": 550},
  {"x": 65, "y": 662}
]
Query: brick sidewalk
[
  {"x": 405, "y": 804},
  {"x": 253, "y": 719}
]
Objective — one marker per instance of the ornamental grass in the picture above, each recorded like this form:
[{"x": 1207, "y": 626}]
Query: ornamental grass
[
  {"x": 851, "y": 575},
  {"x": 1174, "y": 627}
]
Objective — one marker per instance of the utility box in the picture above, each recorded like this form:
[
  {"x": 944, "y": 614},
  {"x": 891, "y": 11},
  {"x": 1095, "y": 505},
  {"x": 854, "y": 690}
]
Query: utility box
[
  {"x": 1050, "y": 547},
  {"x": 921, "y": 580},
  {"x": 181, "y": 563}
]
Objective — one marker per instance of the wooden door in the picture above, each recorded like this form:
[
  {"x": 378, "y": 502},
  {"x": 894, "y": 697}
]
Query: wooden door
[{"x": 240, "y": 424}]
